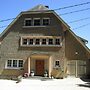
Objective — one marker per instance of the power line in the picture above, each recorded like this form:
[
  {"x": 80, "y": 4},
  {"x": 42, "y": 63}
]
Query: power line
[
  {"x": 56, "y": 10},
  {"x": 72, "y": 6},
  {"x": 60, "y": 14},
  {"x": 81, "y": 26},
  {"x": 75, "y": 11},
  {"x": 79, "y": 20},
  {"x": 7, "y": 19}
]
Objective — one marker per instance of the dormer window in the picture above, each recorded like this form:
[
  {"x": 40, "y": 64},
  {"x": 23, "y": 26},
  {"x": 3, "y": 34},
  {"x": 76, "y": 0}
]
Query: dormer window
[
  {"x": 46, "y": 21},
  {"x": 28, "y": 22},
  {"x": 37, "y": 22}
]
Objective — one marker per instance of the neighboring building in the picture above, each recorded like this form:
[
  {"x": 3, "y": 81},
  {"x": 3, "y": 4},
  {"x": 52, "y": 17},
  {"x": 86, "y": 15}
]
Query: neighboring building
[{"x": 39, "y": 40}]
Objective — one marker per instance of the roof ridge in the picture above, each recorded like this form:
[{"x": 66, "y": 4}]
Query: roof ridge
[{"x": 39, "y": 7}]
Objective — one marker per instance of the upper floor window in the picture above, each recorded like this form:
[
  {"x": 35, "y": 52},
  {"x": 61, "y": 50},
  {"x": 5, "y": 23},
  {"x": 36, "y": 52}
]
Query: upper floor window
[
  {"x": 37, "y": 22},
  {"x": 46, "y": 21},
  {"x": 28, "y": 22},
  {"x": 24, "y": 41},
  {"x": 50, "y": 42},
  {"x": 30, "y": 41},
  {"x": 37, "y": 42},
  {"x": 57, "y": 41},
  {"x": 43, "y": 41}
]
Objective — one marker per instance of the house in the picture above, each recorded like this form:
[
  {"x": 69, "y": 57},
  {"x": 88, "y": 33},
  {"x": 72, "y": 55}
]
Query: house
[{"x": 39, "y": 41}]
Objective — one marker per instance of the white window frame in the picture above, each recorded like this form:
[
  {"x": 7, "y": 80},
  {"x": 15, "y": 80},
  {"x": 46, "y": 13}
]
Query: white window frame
[
  {"x": 25, "y": 21},
  {"x": 48, "y": 22},
  {"x": 57, "y": 66},
  {"x": 6, "y": 67},
  {"x": 41, "y": 37}
]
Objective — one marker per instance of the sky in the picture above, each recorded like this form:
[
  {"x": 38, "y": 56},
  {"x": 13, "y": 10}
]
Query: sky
[{"x": 11, "y": 8}]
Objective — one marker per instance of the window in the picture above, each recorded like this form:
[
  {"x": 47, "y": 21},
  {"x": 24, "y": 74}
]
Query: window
[
  {"x": 57, "y": 41},
  {"x": 27, "y": 41},
  {"x": 37, "y": 22},
  {"x": 50, "y": 42},
  {"x": 43, "y": 41},
  {"x": 37, "y": 42},
  {"x": 20, "y": 63},
  {"x": 9, "y": 63},
  {"x": 14, "y": 63},
  {"x": 30, "y": 41},
  {"x": 24, "y": 41},
  {"x": 46, "y": 21},
  {"x": 28, "y": 22},
  {"x": 57, "y": 63}
]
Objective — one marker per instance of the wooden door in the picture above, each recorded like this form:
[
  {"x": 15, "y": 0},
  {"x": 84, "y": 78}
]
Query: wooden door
[{"x": 40, "y": 67}]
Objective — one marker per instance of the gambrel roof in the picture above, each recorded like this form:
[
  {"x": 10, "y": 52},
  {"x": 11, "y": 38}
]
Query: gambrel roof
[{"x": 43, "y": 9}]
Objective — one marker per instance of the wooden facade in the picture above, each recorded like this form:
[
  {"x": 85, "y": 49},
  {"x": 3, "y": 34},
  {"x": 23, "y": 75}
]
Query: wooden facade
[{"x": 39, "y": 41}]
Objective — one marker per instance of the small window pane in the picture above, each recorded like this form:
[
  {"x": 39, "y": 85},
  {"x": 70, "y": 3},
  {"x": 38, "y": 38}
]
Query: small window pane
[
  {"x": 37, "y": 22},
  {"x": 57, "y": 41},
  {"x": 50, "y": 42},
  {"x": 43, "y": 41},
  {"x": 27, "y": 22},
  {"x": 46, "y": 21},
  {"x": 20, "y": 63},
  {"x": 24, "y": 41},
  {"x": 14, "y": 63},
  {"x": 37, "y": 41},
  {"x": 9, "y": 63},
  {"x": 57, "y": 63},
  {"x": 30, "y": 41}
]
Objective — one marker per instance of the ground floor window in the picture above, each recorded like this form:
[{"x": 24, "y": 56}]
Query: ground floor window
[
  {"x": 14, "y": 63},
  {"x": 57, "y": 63}
]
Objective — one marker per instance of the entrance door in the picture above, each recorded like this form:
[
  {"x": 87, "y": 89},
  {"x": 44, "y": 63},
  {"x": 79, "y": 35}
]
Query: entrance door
[{"x": 40, "y": 67}]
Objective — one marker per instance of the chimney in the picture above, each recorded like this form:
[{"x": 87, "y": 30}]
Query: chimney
[{"x": 47, "y": 6}]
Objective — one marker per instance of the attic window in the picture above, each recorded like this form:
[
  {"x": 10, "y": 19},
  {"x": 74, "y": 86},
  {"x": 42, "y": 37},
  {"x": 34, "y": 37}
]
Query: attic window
[
  {"x": 28, "y": 22},
  {"x": 37, "y": 22},
  {"x": 46, "y": 21}
]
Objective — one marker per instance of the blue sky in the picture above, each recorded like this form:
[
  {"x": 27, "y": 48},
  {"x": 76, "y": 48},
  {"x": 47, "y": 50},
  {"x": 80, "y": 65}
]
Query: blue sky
[{"x": 11, "y": 8}]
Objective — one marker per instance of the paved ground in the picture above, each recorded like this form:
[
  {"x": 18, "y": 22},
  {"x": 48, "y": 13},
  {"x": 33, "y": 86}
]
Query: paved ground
[{"x": 69, "y": 83}]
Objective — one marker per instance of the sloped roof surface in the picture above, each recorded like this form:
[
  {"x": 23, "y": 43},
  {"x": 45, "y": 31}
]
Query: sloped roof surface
[{"x": 39, "y": 8}]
